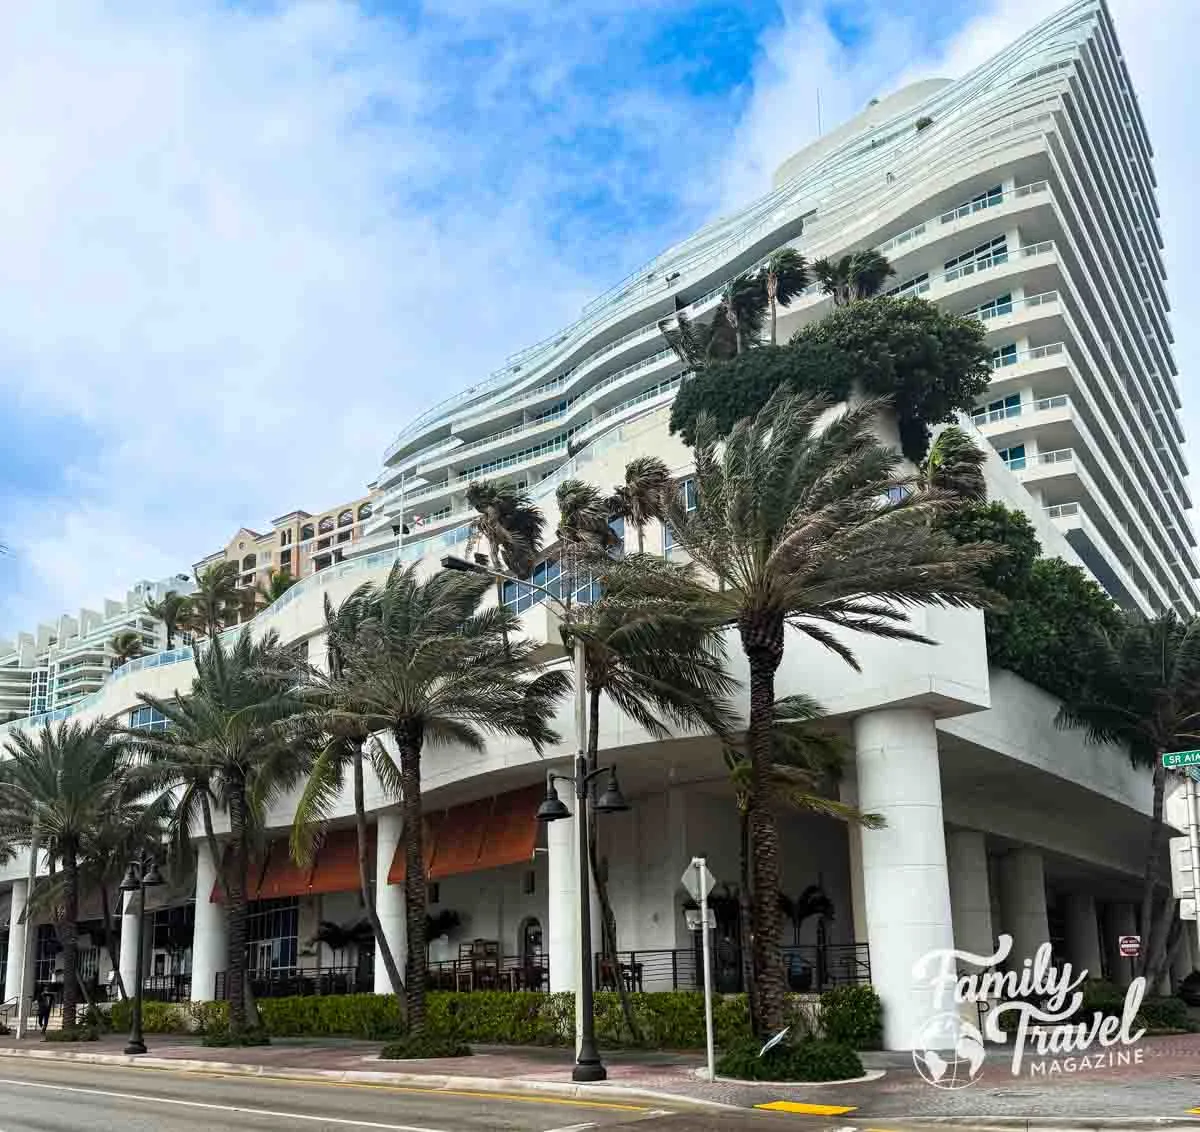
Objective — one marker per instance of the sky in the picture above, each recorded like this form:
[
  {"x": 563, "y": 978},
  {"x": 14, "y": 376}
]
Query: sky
[{"x": 243, "y": 243}]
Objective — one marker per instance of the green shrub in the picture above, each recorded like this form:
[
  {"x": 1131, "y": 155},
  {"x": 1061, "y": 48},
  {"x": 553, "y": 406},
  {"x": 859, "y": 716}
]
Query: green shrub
[
  {"x": 852, "y": 1016},
  {"x": 424, "y": 1045},
  {"x": 1163, "y": 1014},
  {"x": 223, "y": 1035},
  {"x": 809, "y": 1060},
  {"x": 170, "y": 1017}
]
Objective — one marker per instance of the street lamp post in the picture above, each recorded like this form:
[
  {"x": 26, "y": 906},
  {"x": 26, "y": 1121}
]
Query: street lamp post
[
  {"x": 588, "y": 1066},
  {"x": 141, "y": 874}
]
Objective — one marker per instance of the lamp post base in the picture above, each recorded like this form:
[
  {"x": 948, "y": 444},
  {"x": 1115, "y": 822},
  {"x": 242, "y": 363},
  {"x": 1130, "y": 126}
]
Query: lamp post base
[
  {"x": 587, "y": 1072},
  {"x": 135, "y": 1047}
]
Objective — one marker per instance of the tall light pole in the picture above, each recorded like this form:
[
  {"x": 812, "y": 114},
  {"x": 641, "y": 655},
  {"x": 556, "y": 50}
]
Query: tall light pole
[
  {"x": 588, "y": 1066},
  {"x": 141, "y": 874}
]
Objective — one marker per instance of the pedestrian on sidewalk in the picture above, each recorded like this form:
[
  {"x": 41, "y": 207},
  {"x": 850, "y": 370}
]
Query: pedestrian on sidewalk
[{"x": 43, "y": 1015}]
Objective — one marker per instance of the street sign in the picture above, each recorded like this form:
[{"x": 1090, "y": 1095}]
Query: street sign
[
  {"x": 691, "y": 881},
  {"x": 1178, "y": 760},
  {"x": 1130, "y": 946}
]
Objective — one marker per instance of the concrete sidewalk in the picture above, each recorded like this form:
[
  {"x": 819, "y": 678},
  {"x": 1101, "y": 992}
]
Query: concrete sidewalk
[{"x": 1164, "y": 1087}]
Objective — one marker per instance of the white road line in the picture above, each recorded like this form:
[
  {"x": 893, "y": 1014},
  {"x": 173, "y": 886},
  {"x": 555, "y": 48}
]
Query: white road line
[
  {"x": 574, "y": 1128},
  {"x": 218, "y": 1107}
]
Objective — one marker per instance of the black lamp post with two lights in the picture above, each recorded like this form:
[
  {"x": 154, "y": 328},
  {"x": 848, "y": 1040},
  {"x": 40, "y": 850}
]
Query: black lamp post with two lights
[{"x": 141, "y": 874}]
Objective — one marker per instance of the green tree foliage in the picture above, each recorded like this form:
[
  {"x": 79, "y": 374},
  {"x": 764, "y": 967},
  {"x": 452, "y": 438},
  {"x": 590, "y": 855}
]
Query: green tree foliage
[
  {"x": 1002, "y": 526},
  {"x": 730, "y": 391},
  {"x": 930, "y": 362}
]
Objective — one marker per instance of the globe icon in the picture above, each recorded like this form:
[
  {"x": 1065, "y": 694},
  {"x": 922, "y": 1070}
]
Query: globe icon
[{"x": 949, "y": 1052}]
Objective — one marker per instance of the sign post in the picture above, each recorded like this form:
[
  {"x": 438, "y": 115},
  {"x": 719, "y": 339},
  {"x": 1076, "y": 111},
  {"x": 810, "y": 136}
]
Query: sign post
[{"x": 699, "y": 883}]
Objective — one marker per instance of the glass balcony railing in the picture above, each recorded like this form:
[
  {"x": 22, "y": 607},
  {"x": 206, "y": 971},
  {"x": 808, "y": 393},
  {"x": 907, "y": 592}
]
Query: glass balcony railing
[
  {"x": 1059, "y": 510},
  {"x": 995, "y": 308},
  {"x": 1005, "y": 412}
]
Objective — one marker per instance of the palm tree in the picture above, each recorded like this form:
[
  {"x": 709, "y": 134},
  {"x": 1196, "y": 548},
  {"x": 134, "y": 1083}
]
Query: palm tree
[
  {"x": 859, "y": 275},
  {"x": 804, "y": 762},
  {"x": 954, "y": 464},
  {"x": 228, "y": 747},
  {"x": 64, "y": 782},
  {"x": 785, "y": 275},
  {"x": 583, "y": 515},
  {"x": 509, "y": 522},
  {"x": 698, "y": 344},
  {"x": 431, "y": 665},
  {"x": 654, "y": 652},
  {"x": 125, "y": 645},
  {"x": 215, "y": 598},
  {"x": 172, "y": 611},
  {"x": 644, "y": 496},
  {"x": 742, "y": 308},
  {"x": 1145, "y": 694},
  {"x": 342, "y": 728},
  {"x": 277, "y": 584},
  {"x": 810, "y": 528}
]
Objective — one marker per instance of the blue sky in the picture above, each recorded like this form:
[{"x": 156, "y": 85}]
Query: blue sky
[{"x": 244, "y": 243}]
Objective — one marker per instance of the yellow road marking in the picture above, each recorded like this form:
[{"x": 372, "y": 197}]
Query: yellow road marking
[
  {"x": 305, "y": 1081},
  {"x": 807, "y": 1109},
  {"x": 1194, "y": 1111}
]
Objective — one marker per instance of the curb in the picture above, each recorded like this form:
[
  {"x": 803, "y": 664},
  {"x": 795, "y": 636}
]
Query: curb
[
  {"x": 1046, "y": 1123},
  {"x": 866, "y": 1078},
  {"x": 512, "y": 1086}
]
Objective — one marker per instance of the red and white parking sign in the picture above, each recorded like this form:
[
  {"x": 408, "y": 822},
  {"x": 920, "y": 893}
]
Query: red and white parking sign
[{"x": 1130, "y": 946}]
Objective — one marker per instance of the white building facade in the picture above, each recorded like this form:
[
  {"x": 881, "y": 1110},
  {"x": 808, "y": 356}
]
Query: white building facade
[{"x": 1022, "y": 192}]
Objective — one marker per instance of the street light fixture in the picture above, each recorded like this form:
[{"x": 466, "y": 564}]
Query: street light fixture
[
  {"x": 141, "y": 874},
  {"x": 588, "y": 1066}
]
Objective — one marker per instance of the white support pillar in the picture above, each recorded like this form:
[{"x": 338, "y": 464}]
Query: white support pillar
[
  {"x": 1023, "y": 904},
  {"x": 1119, "y": 919},
  {"x": 210, "y": 938},
  {"x": 970, "y": 894},
  {"x": 389, "y": 898},
  {"x": 131, "y": 924},
  {"x": 1083, "y": 934},
  {"x": 562, "y": 929},
  {"x": 858, "y": 903},
  {"x": 905, "y": 883},
  {"x": 16, "y": 944}
]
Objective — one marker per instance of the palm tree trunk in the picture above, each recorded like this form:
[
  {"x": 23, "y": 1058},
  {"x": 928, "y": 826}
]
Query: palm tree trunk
[
  {"x": 408, "y": 740},
  {"x": 608, "y": 921},
  {"x": 641, "y": 539},
  {"x": 1158, "y": 839},
  {"x": 762, "y": 642},
  {"x": 746, "y": 910},
  {"x": 111, "y": 944},
  {"x": 70, "y": 935},
  {"x": 237, "y": 911},
  {"x": 383, "y": 951}
]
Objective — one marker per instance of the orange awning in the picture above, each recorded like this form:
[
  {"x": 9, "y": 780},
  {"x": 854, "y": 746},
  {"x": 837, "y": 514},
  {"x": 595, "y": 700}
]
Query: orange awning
[
  {"x": 512, "y": 832},
  {"x": 460, "y": 838},
  {"x": 282, "y": 876},
  {"x": 336, "y": 869},
  {"x": 485, "y": 834}
]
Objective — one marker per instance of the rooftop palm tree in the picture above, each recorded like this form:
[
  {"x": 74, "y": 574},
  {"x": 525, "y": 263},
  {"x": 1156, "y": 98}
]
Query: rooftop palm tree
[
  {"x": 126, "y": 645},
  {"x": 1145, "y": 694},
  {"x": 172, "y": 611},
  {"x": 859, "y": 275},
  {"x": 785, "y": 275},
  {"x": 431, "y": 665},
  {"x": 511, "y": 524},
  {"x": 215, "y": 598},
  {"x": 954, "y": 464},
  {"x": 342, "y": 727},
  {"x": 644, "y": 496},
  {"x": 229, "y": 746},
  {"x": 801, "y": 527},
  {"x": 64, "y": 782}
]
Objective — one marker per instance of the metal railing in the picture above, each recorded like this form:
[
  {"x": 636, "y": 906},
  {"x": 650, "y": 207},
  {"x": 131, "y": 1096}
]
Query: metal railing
[
  {"x": 497, "y": 972},
  {"x": 1005, "y": 412},
  {"x": 1032, "y": 354},
  {"x": 288, "y": 982},
  {"x": 1058, "y": 510},
  {"x": 167, "y": 988},
  {"x": 1057, "y": 456},
  {"x": 995, "y": 309}
]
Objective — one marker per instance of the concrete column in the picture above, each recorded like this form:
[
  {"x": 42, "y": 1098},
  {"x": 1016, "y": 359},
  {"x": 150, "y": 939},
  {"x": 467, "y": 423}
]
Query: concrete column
[
  {"x": 1083, "y": 934},
  {"x": 16, "y": 944},
  {"x": 562, "y": 914},
  {"x": 905, "y": 883},
  {"x": 970, "y": 893},
  {"x": 1119, "y": 919},
  {"x": 131, "y": 924},
  {"x": 1185, "y": 961},
  {"x": 1023, "y": 904},
  {"x": 210, "y": 938},
  {"x": 389, "y": 898},
  {"x": 858, "y": 903}
]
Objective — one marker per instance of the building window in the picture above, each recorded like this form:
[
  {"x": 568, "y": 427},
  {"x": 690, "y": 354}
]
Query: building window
[
  {"x": 323, "y": 543},
  {"x": 1004, "y": 356},
  {"x": 46, "y": 954},
  {"x": 345, "y": 518},
  {"x": 987, "y": 254},
  {"x": 1014, "y": 457},
  {"x": 1001, "y": 304},
  {"x": 325, "y": 524},
  {"x": 917, "y": 285},
  {"x": 147, "y": 718},
  {"x": 285, "y": 558},
  {"x": 364, "y": 512},
  {"x": 344, "y": 536},
  {"x": 306, "y": 532},
  {"x": 285, "y": 537},
  {"x": 249, "y": 562},
  {"x": 272, "y": 927},
  {"x": 172, "y": 939},
  {"x": 993, "y": 411},
  {"x": 687, "y": 490}
]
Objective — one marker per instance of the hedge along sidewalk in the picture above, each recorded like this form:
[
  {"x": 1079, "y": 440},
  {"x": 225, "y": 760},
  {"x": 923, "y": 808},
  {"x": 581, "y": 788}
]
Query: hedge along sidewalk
[{"x": 679, "y": 1090}]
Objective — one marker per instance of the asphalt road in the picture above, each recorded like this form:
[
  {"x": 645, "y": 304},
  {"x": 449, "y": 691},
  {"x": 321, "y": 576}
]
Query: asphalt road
[{"x": 49, "y": 1097}]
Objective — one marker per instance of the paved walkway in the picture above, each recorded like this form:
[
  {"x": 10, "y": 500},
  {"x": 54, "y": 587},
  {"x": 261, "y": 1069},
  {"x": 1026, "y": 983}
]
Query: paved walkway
[{"x": 1166, "y": 1084}]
